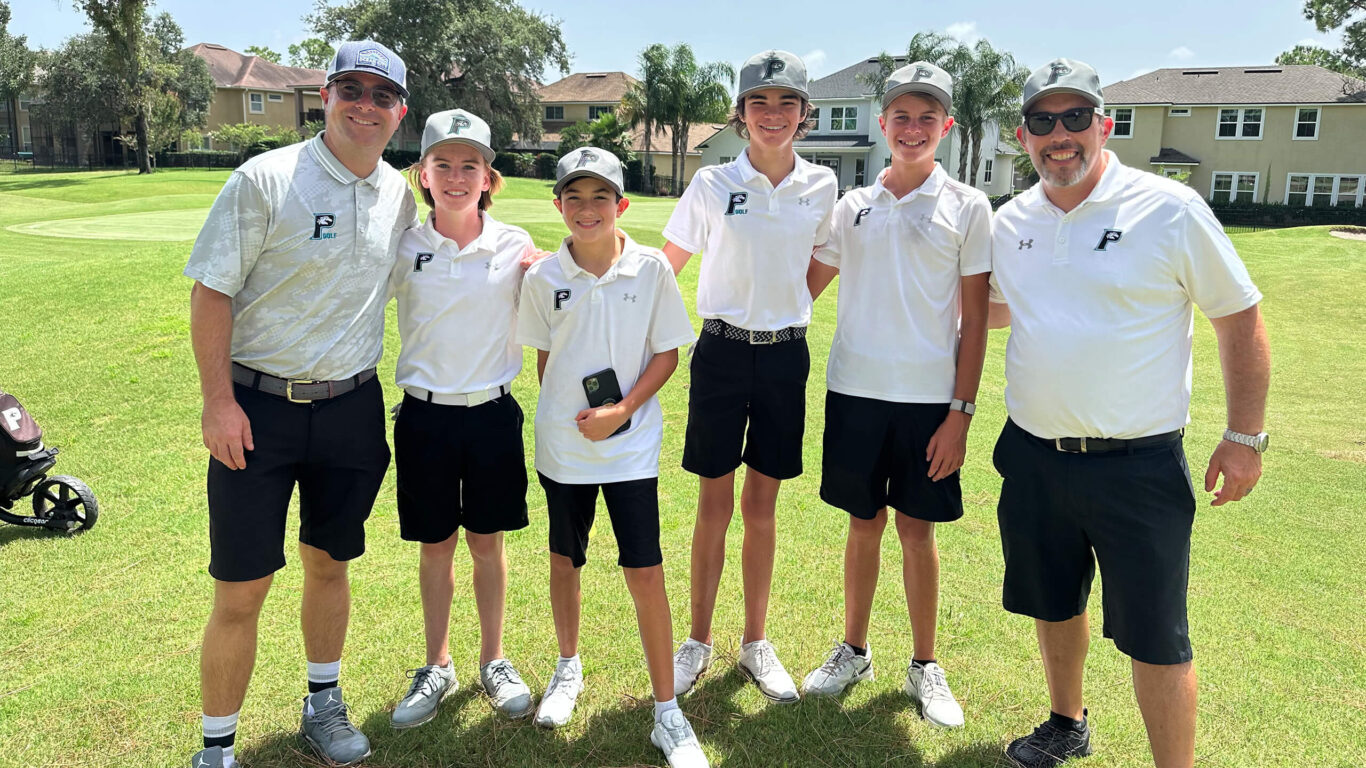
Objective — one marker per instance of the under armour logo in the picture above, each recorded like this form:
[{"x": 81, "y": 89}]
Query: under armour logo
[
  {"x": 420, "y": 259},
  {"x": 803, "y": 201},
  {"x": 631, "y": 297},
  {"x": 737, "y": 199},
  {"x": 858, "y": 217},
  {"x": 924, "y": 219},
  {"x": 323, "y": 221},
  {"x": 586, "y": 158},
  {"x": 1024, "y": 244},
  {"x": 773, "y": 66},
  {"x": 922, "y": 73},
  {"x": 1057, "y": 71},
  {"x": 561, "y": 296},
  {"x": 1109, "y": 236},
  {"x": 459, "y": 123},
  {"x": 488, "y": 265}
]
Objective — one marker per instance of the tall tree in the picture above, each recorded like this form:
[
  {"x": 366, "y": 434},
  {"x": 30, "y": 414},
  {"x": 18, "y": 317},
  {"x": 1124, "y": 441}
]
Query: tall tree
[
  {"x": 876, "y": 80},
  {"x": 1322, "y": 57},
  {"x": 264, "y": 52},
  {"x": 123, "y": 23},
  {"x": 695, "y": 93},
  {"x": 485, "y": 56},
  {"x": 606, "y": 132},
  {"x": 1350, "y": 16},
  {"x": 16, "y": 68},
  {"x": 78, "y": 89},
  {"x": 312, "y": 53},
  {"x": 644, "y": 102}
]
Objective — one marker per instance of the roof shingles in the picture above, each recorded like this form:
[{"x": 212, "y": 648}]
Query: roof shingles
[{"x": 1287, "y": 84}]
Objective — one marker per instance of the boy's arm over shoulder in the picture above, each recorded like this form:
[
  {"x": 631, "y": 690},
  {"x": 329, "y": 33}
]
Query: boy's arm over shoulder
[
  {"x": 533, "y": 310},
  {"x": 670, "y": 326},
  {"x": 690, "y": 222}
]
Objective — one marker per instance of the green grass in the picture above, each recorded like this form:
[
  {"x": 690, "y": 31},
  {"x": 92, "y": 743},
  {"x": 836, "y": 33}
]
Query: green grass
[{"x": 101, "y": 632}]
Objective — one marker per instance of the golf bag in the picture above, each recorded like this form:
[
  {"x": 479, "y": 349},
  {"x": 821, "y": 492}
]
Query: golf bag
[{"x": 60, "y": 503}]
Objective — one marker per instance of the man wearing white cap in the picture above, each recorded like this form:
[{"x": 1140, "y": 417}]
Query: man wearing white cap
[
  {"x": 458, "y": 436},
  {"x": 287, "y": 320},
  {"x": 1101, "y": 266}
]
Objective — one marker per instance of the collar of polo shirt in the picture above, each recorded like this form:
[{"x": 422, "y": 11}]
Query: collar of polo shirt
[
  {"x": 1111, "y": 183},
  {"x": 750, "y": 173},
  {"x": 932, "y": 185},
  {"x": 334, "y": 166},
  {"x": 484, "y": 242},
  {"x": 627, "y": 266}
]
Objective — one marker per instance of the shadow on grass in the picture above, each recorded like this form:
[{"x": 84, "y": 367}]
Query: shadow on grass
[
  {"x": 11, "y": 532},
  {"x": 27, "y": 180}
]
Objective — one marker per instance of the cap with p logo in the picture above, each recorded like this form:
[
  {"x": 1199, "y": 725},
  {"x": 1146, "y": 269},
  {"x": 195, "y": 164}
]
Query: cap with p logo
[
  {"x": 1063, "y": 76},
  {"x": 920, "y": 77},
  {"x": 773, "y": 69},
  {"x": 456, "y": 126},
  {"x": 589, "y": 161}
]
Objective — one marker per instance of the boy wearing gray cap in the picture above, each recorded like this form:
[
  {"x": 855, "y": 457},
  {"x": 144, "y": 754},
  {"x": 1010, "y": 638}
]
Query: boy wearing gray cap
[
  {"x": 606, "y": 319},
  {"x": 757, "y": 219},
  {"x": 287, "y": 320},
  {"x": 913, "y": 253},
  {"x": 458, "y": 435}
]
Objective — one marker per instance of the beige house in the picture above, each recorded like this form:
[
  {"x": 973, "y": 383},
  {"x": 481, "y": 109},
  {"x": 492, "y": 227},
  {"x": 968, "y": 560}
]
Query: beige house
[
  {"x": 16, "y": 132},
  {"x": 250, "y": 89},
  {"x": 584, "y": 96},
  {"x": 1291, "y": 134}
]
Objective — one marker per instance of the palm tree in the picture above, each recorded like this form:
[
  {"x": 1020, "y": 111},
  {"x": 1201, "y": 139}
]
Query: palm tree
[
  {"x": 646, "y": 97},
  {"x": 694, "y": 93}
]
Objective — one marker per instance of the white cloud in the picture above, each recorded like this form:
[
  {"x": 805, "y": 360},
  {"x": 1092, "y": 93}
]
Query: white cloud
[
  {"x": 815, "y": 63},
  {"x": 1181, "y": 53},
  {"x": 966, "y": 31}
]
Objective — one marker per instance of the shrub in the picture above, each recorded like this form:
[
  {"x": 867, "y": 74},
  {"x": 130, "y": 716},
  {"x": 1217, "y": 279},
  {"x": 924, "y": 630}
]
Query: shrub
[{"x": 545, "y": 165}]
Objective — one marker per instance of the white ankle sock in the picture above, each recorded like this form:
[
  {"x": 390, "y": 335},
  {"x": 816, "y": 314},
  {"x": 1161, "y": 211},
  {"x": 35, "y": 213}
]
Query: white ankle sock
[
  {"x": 663, "y": 707},
  {"x": 218, "y": 728},
  {"x": 328, "y": 672}
]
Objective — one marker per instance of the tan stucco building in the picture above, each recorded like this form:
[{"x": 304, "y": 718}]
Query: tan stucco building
[
  {"x": 250, "y": 89},
  {"x": 1291, "y": 134}
]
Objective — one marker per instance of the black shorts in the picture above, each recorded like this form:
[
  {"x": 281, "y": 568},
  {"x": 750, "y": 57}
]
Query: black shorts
[
  {"x": 633, "y": 506},
  {"x": 1131, "y": 512},
  {"x": 734, "y": 384},
  {"x": 334, "y": 449},
  {"x": 459, "y": 466},
  {"x": 874, "y": 456}
]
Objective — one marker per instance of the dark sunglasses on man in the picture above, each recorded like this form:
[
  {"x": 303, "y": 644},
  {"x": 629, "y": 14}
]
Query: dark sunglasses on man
[
  {"x": 1074, "y": 120},
  {"x": 351, "y": 90}
]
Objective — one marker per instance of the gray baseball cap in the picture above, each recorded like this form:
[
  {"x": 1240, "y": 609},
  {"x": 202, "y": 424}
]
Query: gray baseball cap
[
  {"x": 456, "y": 126},
  {"x": 370, "y": 57},
  {"x": 589, "y": 161},
  {"x": 1063, "y": 76},
  {"x": 920, "y": 77},
  {"x": 773, "y": 69}
]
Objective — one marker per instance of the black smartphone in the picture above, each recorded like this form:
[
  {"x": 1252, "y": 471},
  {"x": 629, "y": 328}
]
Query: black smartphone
[{"x": 602, "y": 389}]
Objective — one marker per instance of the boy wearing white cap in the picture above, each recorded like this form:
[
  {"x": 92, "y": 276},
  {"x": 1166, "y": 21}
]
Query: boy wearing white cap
[
  {"x": 606, "y": 319},
  {"x": 458, "y": 435},
  {"x": 758, "y": 219},
  {"x": 913, "y": 252}
]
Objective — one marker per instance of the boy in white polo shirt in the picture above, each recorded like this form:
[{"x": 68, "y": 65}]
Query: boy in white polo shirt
[
  {"x": 606, "y": 319},
  {"x": 758, "y": 220},
  {"x": 458, "y": 436},
  {"x": 903, "y": 373}
]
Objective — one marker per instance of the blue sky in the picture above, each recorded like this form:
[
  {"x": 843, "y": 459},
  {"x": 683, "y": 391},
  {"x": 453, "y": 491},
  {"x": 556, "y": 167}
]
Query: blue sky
[{"x": 1119, "y": 39}]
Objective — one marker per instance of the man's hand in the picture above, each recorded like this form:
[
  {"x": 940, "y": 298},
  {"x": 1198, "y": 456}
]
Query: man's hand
[
  {"x": 599, "y": 423},
  {"x": 1241, "y": 467},
  {"x": 948, "y": 446},
  {"x": 227, "y": 432}
]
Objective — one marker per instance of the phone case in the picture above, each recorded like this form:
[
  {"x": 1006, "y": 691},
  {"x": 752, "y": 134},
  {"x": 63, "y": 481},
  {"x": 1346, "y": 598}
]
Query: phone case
[{"x": 602, "y": 388}]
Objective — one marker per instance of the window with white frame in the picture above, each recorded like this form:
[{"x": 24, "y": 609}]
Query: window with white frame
[
  {"x": 1179, "y": 112},
  {"x": 1306, "y": 123},
  {"x": 860, "y": 170},
  {"x": 1322, "y": 190},
  {"x": 275, "y": 97},
  {"x": 1239, "y": 187},
  {"x": 986, "y": 171},
  {"x": 256, "y": 103},
  {"x": 25, "y": 138},
  {"x": 843, "y": 118},
  {"x": 1124, "y": 122},
  {"x": 815, "y": 118},
  {"x": 554, "y": 113},
  {"x": 598, "y": 110},
  {"x": 1244, "y": 123},
  {"x": 25, "y": 102},
  {"x": 723, "y": 159}
]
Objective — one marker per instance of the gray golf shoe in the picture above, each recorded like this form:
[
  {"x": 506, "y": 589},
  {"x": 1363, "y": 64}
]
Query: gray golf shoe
[
  {"x": 505, "y": 688},
  {"x": 209, "y": 757},
  {"x": 431, "y": 684},
  {"x": 330, "y": 732}
]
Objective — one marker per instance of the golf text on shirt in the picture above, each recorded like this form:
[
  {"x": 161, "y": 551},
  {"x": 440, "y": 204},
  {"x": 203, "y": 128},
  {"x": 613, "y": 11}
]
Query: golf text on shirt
[
  {"x": 1101, "y": 302},
  {"x": 457, "y": 308},
  {"x": 619, "y": 321},
  {"x": 901, "y": 262},
  {"x": 300, "y": 243},
  {"x": 756, "y": 240}
]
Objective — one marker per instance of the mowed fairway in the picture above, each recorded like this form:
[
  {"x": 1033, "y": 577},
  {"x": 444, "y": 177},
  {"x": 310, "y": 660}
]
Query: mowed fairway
[{"x": 100, "y": 633}]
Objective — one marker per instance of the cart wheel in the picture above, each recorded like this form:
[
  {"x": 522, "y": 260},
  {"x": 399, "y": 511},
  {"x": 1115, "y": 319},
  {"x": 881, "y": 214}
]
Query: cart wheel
[{"x": 66, "y": 498}]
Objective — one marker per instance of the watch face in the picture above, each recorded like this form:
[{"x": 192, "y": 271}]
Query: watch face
[{"x": 1263, "y": 440}]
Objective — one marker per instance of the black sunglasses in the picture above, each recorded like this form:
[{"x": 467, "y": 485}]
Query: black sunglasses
[
  {"x": 350, "y": 90},
  {"x": 1074, "y": 120}
]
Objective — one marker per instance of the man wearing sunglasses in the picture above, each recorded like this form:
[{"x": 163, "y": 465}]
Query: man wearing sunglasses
[
  {"x": 1100, "y": 267},
  {"x": 287, "y": 321}
]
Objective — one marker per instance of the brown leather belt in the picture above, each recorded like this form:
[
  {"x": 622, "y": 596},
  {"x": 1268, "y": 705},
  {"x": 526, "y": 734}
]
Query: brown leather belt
[{"x": 298, "y": 390}]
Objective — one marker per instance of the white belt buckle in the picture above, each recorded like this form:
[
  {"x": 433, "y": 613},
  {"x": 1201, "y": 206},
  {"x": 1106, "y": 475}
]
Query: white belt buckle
[{"x": 477, "y": 398}]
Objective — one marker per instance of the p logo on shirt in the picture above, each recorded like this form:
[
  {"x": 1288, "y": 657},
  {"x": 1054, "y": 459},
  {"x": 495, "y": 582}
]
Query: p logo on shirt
[
  {"x": 737, "y": 199},
  {"x": 1109, "y": 236},
  {"x": 420, "y": 259},
  {"x": 561, "y": 296},
  {"x": 323, "y": 221},
  {"x": 858, "y": 217}
]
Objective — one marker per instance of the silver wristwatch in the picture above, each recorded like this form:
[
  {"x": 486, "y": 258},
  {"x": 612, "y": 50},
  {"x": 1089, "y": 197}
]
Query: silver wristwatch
[
  {"x": 962, "y": 405},
  {"x": 1257, "y": 442}
]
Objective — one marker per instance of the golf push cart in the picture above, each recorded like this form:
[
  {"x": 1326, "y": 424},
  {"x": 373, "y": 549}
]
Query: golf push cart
[{"x": 60, "y": 503}]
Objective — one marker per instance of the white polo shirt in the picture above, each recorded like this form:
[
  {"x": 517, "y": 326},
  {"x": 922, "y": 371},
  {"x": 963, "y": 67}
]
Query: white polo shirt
[
  {"x": 901, "y": 262},
  {"x": 619, "y": 321},
  {"x": 304, "y": 247},
  {"x": 757, "y": 240},
  {"x": 457, "y": 309},
  {"x": 1101, "y": 303}
]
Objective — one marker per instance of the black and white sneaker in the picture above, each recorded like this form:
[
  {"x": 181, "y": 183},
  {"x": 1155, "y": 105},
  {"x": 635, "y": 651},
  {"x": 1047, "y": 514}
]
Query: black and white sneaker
[{"x": 1050, "y": 745}]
